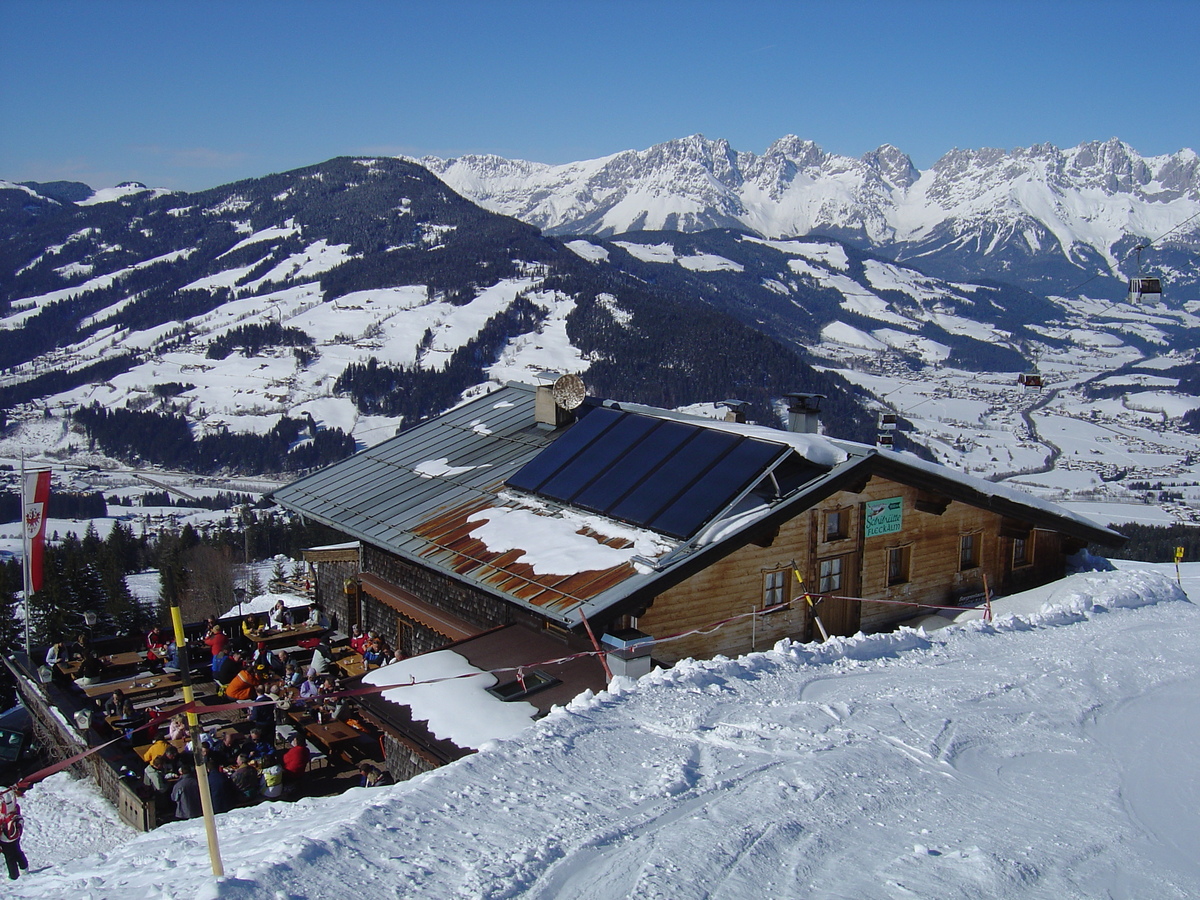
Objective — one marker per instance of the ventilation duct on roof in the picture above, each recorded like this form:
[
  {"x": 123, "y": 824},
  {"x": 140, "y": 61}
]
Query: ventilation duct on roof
[
  {"x": 735, "y": 411},
  {"x": 554, "y": 404},
  {"x": 804, "y": 412}
]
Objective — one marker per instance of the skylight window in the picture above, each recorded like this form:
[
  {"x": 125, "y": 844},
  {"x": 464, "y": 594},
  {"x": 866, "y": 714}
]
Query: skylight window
[{"x": 519, "y": 688}]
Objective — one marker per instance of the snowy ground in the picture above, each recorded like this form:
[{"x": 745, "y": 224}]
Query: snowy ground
[{"x": 1047, "y": 755}]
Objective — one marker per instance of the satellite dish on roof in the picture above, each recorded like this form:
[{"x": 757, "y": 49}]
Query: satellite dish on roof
[{"x": 568, "y": 391}]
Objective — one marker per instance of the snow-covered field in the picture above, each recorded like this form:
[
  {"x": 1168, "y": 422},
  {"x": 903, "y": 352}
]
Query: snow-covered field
[{"x": 1049, "y": 754}]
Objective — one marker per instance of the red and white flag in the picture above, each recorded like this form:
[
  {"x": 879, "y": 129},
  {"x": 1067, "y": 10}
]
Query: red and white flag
[{"x": 37, "y": 498}]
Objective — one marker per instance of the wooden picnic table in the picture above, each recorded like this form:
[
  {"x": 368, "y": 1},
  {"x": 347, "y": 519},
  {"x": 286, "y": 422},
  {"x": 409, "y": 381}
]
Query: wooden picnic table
[
  {"x": 330, "y": 734},
  {"x": 130, "y": 658},
  {"x": 135, "y": 688},
  {"x": 351, "y": 663},
  {"x": 286, "y": 637}
]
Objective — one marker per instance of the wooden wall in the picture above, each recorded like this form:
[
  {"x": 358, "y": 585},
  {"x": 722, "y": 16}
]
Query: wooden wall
[{"x": 931, "y": 530}]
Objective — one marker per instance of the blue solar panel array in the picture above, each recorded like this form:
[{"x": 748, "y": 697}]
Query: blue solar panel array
[{"x": 667, "y": 476}]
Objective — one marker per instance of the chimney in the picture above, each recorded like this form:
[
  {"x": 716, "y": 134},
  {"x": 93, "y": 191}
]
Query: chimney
[
  {"x": 628, "y": 652},
  {"x": 735, "y": 410},
  {"x": 804, "y": 412},
  {"x": 554, "y": 404}
]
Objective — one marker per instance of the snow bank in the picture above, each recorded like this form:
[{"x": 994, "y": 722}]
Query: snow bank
[{"x": 1025, "y": 758}]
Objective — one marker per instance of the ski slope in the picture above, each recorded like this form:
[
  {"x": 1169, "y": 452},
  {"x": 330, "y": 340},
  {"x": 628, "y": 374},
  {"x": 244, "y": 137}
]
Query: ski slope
[{"x": 1049, "y": 754}]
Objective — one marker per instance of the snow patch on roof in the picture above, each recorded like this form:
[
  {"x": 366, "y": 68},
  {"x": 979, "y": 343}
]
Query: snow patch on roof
[
  {"x": 554, "y": 544},
  {"x": 458, "y": 709},
  {"x": 435, "y": 468}
]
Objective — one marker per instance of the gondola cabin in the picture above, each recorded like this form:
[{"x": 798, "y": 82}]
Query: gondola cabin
[
  {"x": 1030, "y": 381},
  {"x": 887, "y": 421},
  {"x": 1144, "y": 289}
]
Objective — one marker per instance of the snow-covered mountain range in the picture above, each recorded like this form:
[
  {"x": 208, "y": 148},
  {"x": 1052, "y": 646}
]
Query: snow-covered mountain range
[
  {"x": 1042, "y": 217},
  {"x": 260, "y": 326}
]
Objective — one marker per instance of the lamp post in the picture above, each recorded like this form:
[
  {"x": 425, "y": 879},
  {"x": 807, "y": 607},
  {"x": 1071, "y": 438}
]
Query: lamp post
[{"x": 239, "y": 594}]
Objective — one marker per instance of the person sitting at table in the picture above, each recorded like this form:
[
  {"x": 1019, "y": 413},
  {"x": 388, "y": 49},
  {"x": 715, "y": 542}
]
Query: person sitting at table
[
  {"x": 263, "y": 714},
  {"x": 316, "y": 617},
  {"x": 358, "y": 640},
  {"x": 221, "y": 790},
  {"x": 322, "y": 657},
  {"x": 55, "y": 654},
  {"x": 186, "y": 793},
  {"x": 309, "y": 689},
  {"x": 112, "y": 706},
  {"x": 334, "y": 706},
  {"x": 292, "y": 678},
  {"x": 271, "y": 781},
  {"x": 230, "y": 666},
  {"x": 215, "y": 641},
  {"x": 245, "y": 777},
  {"x": 261, "y": 656},
  {"x": 225, "y": 750},
  {"x": 81, "y": 647},
  {"x": 90, "y": 669},
  {"x": 281, "y": 616},
  {"x": 156, "y": 644},
  {"x": 155, "y": 778},
  {"x": 156, "y": 749},
  {"x": 177, "y": 728},
  {"x": 242, "y": 685},
  {"x": 251, "y": 626},
  {"x": 376, "y": 654},
  {"x": 171, "y": 660},
  {"x": 279, "y": 661},
  {"x": 370, "y": 775},
  {"x": 257, "y": 746},
  {"x": 131, "y": 719},
  {"x": 295, "y": 762}
]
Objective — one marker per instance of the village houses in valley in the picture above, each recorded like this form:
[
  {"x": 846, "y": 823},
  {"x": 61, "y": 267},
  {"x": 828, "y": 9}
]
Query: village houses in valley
[{"x": 506, "y": 532}]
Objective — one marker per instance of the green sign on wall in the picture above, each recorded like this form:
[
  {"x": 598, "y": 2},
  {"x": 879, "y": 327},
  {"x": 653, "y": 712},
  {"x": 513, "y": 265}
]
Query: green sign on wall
[{"x": 883, "y": 516}]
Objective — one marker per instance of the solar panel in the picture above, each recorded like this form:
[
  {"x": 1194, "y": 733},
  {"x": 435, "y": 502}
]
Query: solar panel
[{"x": 668, "y": 476}]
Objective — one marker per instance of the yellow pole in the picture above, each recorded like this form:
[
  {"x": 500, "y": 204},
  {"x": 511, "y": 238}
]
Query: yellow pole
[{"x": 206, "y": 806}]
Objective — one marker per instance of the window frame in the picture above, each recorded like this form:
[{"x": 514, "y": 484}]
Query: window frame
[
  {"x": 840, "y": 516},
  {"x": 775, "y": 585},
  {"x": 973, "y": 540},
  {"x": 824, "y": 579},
  {"x": 904, "y": 554},
  {"x": 1026, "y": 557}
]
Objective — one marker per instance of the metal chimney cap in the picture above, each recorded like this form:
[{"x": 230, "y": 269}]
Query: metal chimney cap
[{"x": 806, "y": 402}]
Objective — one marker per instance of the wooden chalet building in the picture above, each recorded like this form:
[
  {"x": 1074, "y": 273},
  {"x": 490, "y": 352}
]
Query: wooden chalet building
[{"x": 512, "y": 510}]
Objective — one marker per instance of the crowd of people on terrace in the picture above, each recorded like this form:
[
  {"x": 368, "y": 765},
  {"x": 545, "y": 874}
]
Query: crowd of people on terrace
[{"x": 242, "y": 767}]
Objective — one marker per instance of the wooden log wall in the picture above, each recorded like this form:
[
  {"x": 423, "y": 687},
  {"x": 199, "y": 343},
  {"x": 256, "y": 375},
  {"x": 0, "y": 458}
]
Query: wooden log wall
[{"x": 930, "y": 535}]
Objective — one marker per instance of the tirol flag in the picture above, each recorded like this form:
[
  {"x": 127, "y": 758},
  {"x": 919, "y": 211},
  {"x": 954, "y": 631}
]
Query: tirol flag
[{"x": 37, "y": 497}]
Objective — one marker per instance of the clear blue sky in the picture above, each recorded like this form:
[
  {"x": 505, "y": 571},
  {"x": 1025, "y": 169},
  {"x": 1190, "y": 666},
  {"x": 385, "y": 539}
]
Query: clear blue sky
[{"x": 191, "y": 95}]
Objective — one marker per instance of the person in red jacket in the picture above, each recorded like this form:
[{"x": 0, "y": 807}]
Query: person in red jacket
[
  {"x": 216, "y": 640},
  {"x": 295, "y": 763},
  {"x": 11, "y": 826}
]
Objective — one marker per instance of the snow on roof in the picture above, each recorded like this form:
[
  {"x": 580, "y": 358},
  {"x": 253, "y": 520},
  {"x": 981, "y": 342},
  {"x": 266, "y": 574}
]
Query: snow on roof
[
  {"x": 994, "y": 489},
  {"x": 554, "y": 544},
  {"x": 816, "y": 448},
  {"x": 458, "y": 709}
]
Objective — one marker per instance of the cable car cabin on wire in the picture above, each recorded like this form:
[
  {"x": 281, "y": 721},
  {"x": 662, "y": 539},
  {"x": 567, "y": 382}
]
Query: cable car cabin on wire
[
  {"x": 1031, "y": 381},
  {"x": 887, "y": 424},
  {"x": 1144, "y": 289}
]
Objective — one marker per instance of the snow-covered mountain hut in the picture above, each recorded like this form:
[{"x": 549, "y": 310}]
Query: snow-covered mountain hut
[{"x": 645, "y": 524}]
